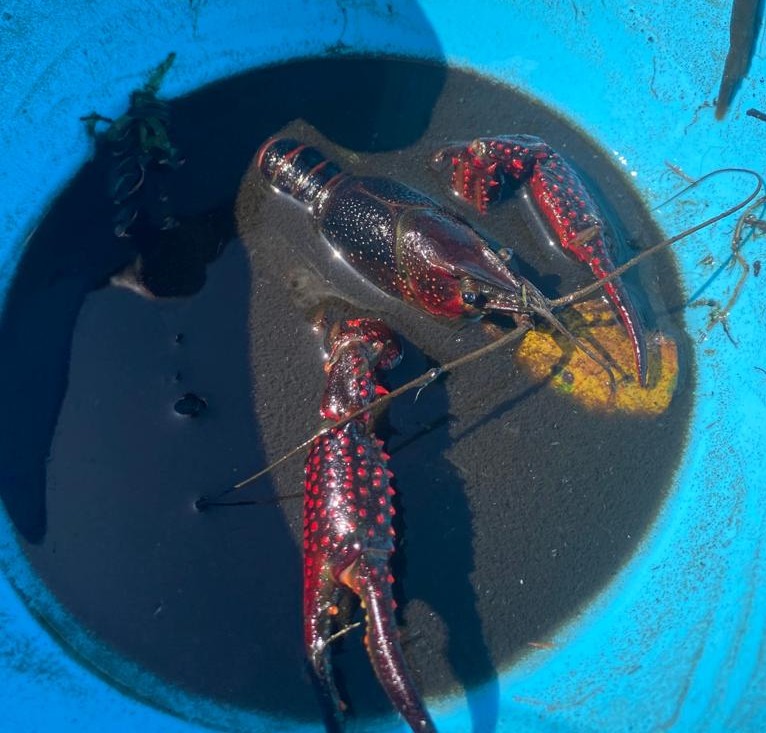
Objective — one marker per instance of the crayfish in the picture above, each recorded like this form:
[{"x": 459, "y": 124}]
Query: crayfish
[{"x": 407, "y": 245}]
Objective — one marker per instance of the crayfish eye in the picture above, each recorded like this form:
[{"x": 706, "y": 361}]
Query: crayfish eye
[{"x": 470, "y": 293}]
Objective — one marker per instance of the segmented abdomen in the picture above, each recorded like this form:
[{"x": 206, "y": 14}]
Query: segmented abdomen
[{"x": 297, "y": 169}]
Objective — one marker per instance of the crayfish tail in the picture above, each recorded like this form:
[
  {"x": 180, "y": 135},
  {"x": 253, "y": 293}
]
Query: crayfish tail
[
  {"x": 372, "y": 582},
  {"x": 296, "y": 169}
]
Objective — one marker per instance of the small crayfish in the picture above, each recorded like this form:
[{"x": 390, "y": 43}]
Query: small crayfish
[
  {"x": 347, "y": 532},
  {"x": 410, "y": 247}
]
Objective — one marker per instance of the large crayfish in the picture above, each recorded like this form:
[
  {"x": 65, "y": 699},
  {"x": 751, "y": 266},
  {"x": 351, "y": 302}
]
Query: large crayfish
[{"x": 410, "y": 247}]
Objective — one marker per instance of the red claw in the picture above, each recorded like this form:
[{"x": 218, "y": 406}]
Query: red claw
[
  {"x": 562, "y": 199},
  {"x": 471, "y": 179},
  {"x": 347, "y": 535}
]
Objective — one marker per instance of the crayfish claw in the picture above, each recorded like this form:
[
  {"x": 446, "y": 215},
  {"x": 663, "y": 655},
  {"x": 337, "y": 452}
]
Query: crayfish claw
[
  {"x": 320, "y": 607},
  {"x": 371, "y": 579},
  {"x": 348, "y": 536},
  {"x": 560, "y": 197},
  {"x": 474, "y": 179}
]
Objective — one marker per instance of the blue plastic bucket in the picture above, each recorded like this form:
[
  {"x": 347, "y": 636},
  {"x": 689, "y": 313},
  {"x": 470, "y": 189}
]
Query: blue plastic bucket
[{"x": 676, "y": 641}]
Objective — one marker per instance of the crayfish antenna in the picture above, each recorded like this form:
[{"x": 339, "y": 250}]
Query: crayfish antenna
[
  {"x": 204, "y": 502},
  {"x": 580, "y": 344}
]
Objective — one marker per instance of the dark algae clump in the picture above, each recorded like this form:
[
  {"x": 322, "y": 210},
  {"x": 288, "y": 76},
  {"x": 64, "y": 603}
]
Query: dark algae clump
[{"x": 515, "y": 504}]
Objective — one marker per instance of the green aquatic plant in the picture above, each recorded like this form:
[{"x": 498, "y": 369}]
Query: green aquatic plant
[{"x": 140, "y": 144}]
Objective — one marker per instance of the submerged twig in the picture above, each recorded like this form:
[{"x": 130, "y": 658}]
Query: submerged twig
[
  {"x": 758, "y": 224},
  {"x": 743, "y": 28},
  {"x": 720, "y": 314},
  {"x": 757, "y": 114},
  {"x": 516, "y": 334},
  {"x": 203, "y": 503},
  {"x": 421, "y": 381}
]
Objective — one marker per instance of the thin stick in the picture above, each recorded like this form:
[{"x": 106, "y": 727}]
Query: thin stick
[
  {"x": 204, "y": 503},
  {"x": 736, "y": 244},
  {"x": 339, "y": 634},
  {"x": 510, "y": 337},
  {"x": 583, "y": 293},
  {"x": 421, "y": 381}
]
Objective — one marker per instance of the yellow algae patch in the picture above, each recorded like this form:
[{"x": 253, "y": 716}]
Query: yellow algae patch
[{"x": 549, "y": 356}]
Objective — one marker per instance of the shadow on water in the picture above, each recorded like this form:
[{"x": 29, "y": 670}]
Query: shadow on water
[
  {"x": 69, "y": 255},
  {"x": 183, "y": 593},
  {"x": 73, "y": 251},
  {"x": 436, "y": 559},
  {"x": 101, "y": 487}
]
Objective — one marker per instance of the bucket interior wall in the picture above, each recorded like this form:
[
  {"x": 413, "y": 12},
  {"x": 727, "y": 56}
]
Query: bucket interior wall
[{"x": 676, "y": 639}]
